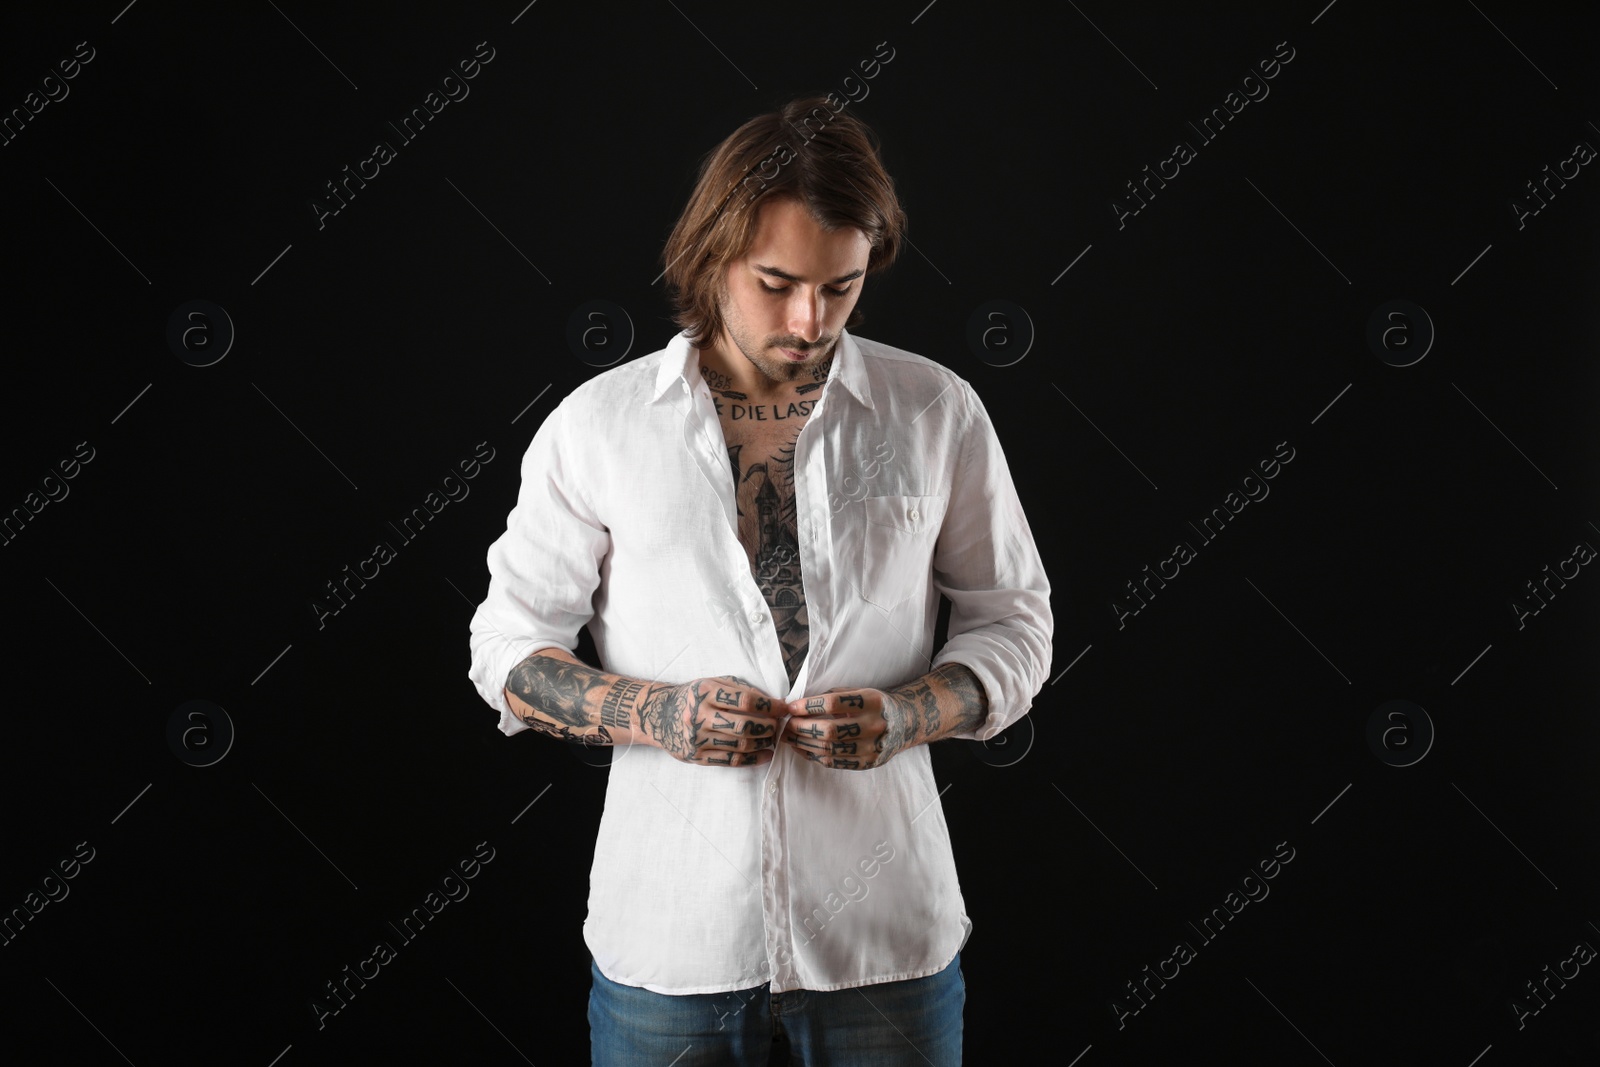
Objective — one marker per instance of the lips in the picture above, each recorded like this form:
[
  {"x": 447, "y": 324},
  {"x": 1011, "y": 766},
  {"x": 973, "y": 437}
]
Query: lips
[{"x": 796, "y": 356}]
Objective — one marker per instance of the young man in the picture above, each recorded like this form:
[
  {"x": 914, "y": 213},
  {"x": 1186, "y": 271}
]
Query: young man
[{"x": 756, "y": 523}]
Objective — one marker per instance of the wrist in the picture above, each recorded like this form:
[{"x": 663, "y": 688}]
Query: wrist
[
  {"x": 903, "y": 717},
  {"x": 963, "y": 701},
  {"x": 644, "y": 708}
]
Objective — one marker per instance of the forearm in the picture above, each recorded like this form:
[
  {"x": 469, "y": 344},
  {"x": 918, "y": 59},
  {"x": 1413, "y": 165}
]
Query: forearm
[
  {"x": 557, "y": 694},
  {"x": 947, "y": 700}
]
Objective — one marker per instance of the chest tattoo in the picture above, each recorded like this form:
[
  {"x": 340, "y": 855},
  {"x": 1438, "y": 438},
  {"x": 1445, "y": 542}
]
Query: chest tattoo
[{"x": 761, "y": 454}]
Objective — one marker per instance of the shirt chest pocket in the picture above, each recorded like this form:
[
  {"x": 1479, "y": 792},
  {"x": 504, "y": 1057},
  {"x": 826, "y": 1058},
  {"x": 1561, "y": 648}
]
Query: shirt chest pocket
[{"x": 898, "y": 535}]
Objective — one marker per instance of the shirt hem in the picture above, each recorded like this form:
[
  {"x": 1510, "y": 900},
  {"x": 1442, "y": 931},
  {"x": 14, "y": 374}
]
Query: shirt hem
[{"x": 724, "y": 987}]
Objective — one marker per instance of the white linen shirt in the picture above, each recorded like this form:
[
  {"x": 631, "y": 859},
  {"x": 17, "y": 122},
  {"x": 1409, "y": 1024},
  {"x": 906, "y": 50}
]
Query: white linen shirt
[{"x": 708, "y": 879}]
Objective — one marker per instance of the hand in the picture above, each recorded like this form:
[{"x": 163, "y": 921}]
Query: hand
[
  {"x": 850, "y": 729},
  {"x": 721, "y": 721}
]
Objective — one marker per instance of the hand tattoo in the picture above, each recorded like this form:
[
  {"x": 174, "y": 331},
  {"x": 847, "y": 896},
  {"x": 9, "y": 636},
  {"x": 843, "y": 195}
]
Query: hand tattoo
[{"x": 671, "y": 715}]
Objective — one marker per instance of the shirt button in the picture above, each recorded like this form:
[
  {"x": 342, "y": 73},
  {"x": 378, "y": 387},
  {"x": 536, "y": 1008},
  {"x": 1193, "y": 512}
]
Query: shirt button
[
  {"x": 912, "y": 514},
  {"x": 758, "y": 616},
  {"x": 773, "y": 788}
]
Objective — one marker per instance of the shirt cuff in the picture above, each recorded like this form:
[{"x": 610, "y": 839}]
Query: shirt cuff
[
  {"x": 1006, "y": 705},
  {"x": 493, "y": 657}
]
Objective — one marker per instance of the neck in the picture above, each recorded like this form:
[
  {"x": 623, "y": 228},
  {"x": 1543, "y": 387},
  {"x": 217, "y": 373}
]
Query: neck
[{"x": 734, "y": 373}]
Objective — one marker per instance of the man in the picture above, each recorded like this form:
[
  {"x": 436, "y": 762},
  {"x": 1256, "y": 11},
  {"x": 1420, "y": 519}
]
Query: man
[{"x": 756, "y": 523}]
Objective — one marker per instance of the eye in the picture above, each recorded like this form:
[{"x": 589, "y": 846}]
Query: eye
[{"x": 784, "y": 289}]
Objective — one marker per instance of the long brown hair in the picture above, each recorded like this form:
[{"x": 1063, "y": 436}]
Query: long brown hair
[{"x": 826, "y": 159}]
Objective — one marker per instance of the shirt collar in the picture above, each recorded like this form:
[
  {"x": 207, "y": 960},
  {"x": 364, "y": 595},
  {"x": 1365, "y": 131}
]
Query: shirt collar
[{"x": 678, "y": 364}]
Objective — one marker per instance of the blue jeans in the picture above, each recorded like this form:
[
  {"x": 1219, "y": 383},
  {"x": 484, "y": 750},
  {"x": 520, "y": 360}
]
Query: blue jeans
[{"x": 914, "y": 1022}]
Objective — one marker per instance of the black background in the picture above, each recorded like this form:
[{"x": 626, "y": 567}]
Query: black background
[{"x": 1178, "y": 749}]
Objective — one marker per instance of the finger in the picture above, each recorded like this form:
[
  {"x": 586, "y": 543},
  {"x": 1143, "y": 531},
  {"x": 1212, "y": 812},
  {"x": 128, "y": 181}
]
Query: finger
[
  {"x": 810, "y": 754},
  {"x": 812, "y": 733},
  {"x": 837, "y": 751},
  {"x": 741, "y": 697},
  {"x": 734, "y": 722},
  {"x": 739, "y": 744},
  {"x": 821, "y": 704},
  {"x": 842, "y": 728},
  {"x": 852, "y": 755},
  {"x": 735, "y": 759},
  {"x": 833, "y": 702},
  {"x": 836, "y": 762}
]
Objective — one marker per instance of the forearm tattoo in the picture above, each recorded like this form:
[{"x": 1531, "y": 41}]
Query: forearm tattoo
[
  {"x": 918, "y": 714},
  {"x": 900, "y": 718},
  {"x": 970, "y": 702},
  {"x": 599, "y": 737},
  {"x": 555, "y": 687},
  {"x": 614, "y": 709}
]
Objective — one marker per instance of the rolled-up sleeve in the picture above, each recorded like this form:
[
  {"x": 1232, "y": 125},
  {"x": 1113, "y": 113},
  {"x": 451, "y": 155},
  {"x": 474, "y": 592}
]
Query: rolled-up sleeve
[
  {"x": 986, "y": 563},
  {"x": 543, "y": 571}
]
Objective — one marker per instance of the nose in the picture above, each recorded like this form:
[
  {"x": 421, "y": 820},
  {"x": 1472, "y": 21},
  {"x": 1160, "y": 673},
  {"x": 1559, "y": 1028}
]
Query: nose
[{"x": 805, "y": 316}]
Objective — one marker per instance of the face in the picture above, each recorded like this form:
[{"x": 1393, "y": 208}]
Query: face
[{"x": 791, "y": 293}]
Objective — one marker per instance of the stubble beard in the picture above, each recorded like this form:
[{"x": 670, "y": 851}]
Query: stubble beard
[{"x": 781, "y": 371}]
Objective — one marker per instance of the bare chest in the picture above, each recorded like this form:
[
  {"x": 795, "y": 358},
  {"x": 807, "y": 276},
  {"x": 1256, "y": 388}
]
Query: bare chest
[
  {"x": 761, "y": 441},
  {"x": 761, "y": 463}
]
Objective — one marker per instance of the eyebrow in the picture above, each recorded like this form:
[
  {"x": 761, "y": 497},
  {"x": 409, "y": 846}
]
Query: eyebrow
[{"x": 786, "y": 276}]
